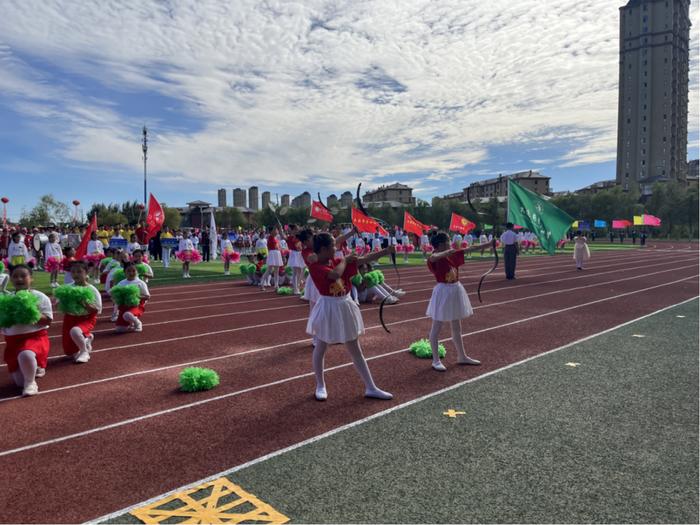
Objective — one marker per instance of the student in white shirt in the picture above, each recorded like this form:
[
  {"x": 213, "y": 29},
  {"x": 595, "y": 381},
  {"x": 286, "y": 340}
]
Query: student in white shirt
[
  {"x": 509, "y": 240},
  {"x": 27, "y": 346},
  {"x": 53, "y": 255},
  {"x": 17, "y": 252},
  {"x": 129, "y": 319}
]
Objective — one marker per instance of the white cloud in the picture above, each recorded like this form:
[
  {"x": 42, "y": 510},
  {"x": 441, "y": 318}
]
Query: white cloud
[{"x": 329, "y": 91}]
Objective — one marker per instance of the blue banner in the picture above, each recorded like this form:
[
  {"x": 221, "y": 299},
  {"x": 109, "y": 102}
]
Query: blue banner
[
  {"x": 584, "y": 225},
  {"x": 118, "y": 243},
  {"x": 600, "y": 224},
  {"x": 169, "y": 243}
]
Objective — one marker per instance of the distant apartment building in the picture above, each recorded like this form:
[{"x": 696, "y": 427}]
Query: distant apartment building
[
  {"x": 393, "y": 195},
  {"x": 694, "y": 168},
  {"x": 596, "y": 187},
  {"x": 239, "y": 198},
  {"x": 332, "y": 201},
  {"x": 652, "y": 131},
  {"x": 285, "y": 200},
  {"x": 265, "y": 199},
  {"x": 346, "y": 200},
  {"x": 253, "y": 202},
  {"x": 498, "y": 186},
  {"x": 302, "y": 201},
  {"x": 222, "y": 197}
]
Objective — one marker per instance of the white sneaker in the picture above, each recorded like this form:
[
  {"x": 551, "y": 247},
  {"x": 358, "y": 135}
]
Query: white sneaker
[
  {"x": 321, "y": 394},
  {"x": 468, "y": 361},
  {"x": 83, "y": 357},
  {"x": 392, "y": 300},
  {"x": 137, "y": 326},
  {"x": 377, "y": 393},
  {"x": 54, "y": 285},
  {"x": 88, "y": 342},
  {"x": 439, "y": 367},
  {"x": 114, "y": 317},
  {"x": 400, "y": 293},
  {"x": 31, "y": 389},
  {"x": 226, "y": 273},
  {"x": 40, "y": 372}
]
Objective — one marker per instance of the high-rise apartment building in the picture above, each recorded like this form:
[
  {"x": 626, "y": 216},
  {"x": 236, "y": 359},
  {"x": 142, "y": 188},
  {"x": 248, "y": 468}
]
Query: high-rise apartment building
[
  {"x": 285, "y": 200},
  {"x": 239, "y": 198},
  {"x": 265, "y": 199},
  {"x": 253, "y": 201},
  {"x": 222, "y": 197},
  {"x": 652, "y": 131}
]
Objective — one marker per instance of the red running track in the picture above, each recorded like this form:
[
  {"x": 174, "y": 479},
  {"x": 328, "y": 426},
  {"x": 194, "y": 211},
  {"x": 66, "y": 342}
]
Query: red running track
[{"x": 119, "y": 430}]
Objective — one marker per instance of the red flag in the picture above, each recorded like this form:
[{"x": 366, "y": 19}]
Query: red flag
[
  {"x": 461, "y": 224},
  {"x": 364, "y": 223},
  {"x": 155, "y": 218},
  {"x": 320, "y": 213},
  {"x": 412, "y": 225},
  {"x": 82, "y": 248}
]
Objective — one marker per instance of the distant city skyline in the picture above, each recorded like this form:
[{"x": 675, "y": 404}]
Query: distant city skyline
[{"x": 435, "y": 95}]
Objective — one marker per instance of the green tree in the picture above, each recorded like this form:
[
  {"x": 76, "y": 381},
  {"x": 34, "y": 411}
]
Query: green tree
[
  {"x": 172, "y": 217},
  {"x": 48, "y": 210},
  {"x": 229, "y": 218}
]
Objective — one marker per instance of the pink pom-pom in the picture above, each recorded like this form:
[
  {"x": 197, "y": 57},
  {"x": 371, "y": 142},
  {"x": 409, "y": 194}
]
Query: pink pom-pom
[
  {"x": 53, "y": 264},
  {"x": 410, "y": 248},
  {"x": 233, "y": 257},
  {"x": 359, "y": 250},
  {"x": 189, "y": 256},
  {"x": 399, "y": 248},
  {"x": 93, "y": 258},
  {"x": 367, "y": 249},
  {"x": 465, "y": 244}
]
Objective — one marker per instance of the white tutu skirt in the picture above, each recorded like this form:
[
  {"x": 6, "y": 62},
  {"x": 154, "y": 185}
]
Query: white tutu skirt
[
  {"x": 310, "y": 291},
  {"x": 295, "y": 260},
  {"x": 449, "y": 302},
  {"x": 335, "y": 320},
  {"x": 274, "y": 258}
]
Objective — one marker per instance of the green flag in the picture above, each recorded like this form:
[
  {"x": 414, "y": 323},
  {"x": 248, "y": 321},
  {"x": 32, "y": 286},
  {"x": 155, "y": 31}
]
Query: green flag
[
  {"x": 488, "y": 226},
  {"x": 544, "y": 219}
]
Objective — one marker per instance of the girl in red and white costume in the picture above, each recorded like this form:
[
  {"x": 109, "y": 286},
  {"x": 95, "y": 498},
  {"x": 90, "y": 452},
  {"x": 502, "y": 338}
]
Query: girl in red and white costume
[
  {"x": 129, "y": 319},
  {"x": 228, "y": 254},
  {"x": 336, "y": 318},
  {"x": 95, "y": 253},
  {"x": 274, "y": 261},
  {"x": 296, "y": 261},
  {"x": 27, "y": 346},
  {"x": 187, "y": 253},
  {"x": 449, "y": 302},
  {"x": 77, "y": 329},
  {"x": 53, "y": 255}
]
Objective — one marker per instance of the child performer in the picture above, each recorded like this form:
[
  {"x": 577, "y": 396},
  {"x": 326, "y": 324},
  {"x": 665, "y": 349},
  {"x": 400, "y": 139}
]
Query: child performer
[
  {"x": 581, "y": 251},
  {"x": 367, "y": 293},
  {"x": 95, "y": 253},
  {"x": 4, "y": 279},
  {"x": 296, "y": 261},
  {"x": 449, "y": 301},
  {"x": 120, "y": 258},
  {"x": 187, "y": 254},
  {"x": 68, "y": 259},
  {"x": 336, "y": 318},
  {"x": 27, "y": 345},
  {"x": 77, "y": 329},
  {"x": 137, "y": 257},
  {"x": 53, "y": 255},
  {"x": 129, "y": 316},
  {"x": 17, "y": 252},
  {"x": 133, "y": 244},
  {"x": 228, "y": 254},
  {"x": 274, "y": 260},
  {"x": 405, "y": 241}
]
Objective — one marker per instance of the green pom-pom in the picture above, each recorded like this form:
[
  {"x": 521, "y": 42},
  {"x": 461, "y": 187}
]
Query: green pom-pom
[
  {"x": 141, "y": 270},
  {"x": 2, "y": 267},
  {"x": 263, "y": 269},
  {"x": 118, "y": 277},
  {"x": 195, "y": 379},
  {"x": 71, "y": 299},
  {"x": 372, "y": 279},
  {"x": 421, "y": 348},
  {"x": 289, "y": 270},
  {"x": 244, "y": 268},
  {"x": 356, "y": 279},
  {"x": 380, "y": 276},
  {"x": 284, "y": 290},
  {"x": 20, "y": 308},
  {"x": 128, "y": 295},
  {"x": 106, "y": 262},
  {"x": 306, "y": 272}
]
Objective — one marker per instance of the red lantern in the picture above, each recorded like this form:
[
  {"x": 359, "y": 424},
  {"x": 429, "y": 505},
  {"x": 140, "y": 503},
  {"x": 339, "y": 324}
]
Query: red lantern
[
  {"x": 142, "y": 207},
  {"x": 76, "y": 202},
  {"x": 5, "y": 200}
]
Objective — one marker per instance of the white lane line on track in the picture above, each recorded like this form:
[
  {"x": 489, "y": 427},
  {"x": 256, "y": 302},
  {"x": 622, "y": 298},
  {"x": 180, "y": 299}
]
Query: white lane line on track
[
  {"x": 310, "y": 374},
  {"x": 373, "y": 308},
  {"x": 299, "y": 341},
  {"x": 428, "y": 280},
  {"x": 377, "y": 415}
]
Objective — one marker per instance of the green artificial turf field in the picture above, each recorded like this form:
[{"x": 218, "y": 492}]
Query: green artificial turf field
[{"x": 612, "y": 439}]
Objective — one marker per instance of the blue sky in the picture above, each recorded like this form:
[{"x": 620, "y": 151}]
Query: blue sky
[{"x": 314, "y": 95}]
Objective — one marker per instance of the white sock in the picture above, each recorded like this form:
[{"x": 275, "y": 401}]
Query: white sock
[
  {"x": 317, "y": 361},
  {"x": 76, "y": 334},
  {"x": 28, "y": 366},
  {"x": 462, "y": 358},
  {"x": 371, "y": 390},
  {"x": 434, "y": 344}
]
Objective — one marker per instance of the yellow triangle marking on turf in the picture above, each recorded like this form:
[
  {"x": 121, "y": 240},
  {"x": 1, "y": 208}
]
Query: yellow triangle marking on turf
[
  {"x": 453, "y": 413},
  {"x": 216, "y": 507}
]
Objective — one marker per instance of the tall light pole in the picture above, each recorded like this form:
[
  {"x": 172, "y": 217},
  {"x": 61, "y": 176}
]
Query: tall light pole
[{"x": 144, "y": 147}]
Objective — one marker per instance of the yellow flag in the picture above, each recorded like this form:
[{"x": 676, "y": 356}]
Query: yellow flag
[
  {"x": 574, "y": 224},
  {"x": 638, "y": 220}
]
